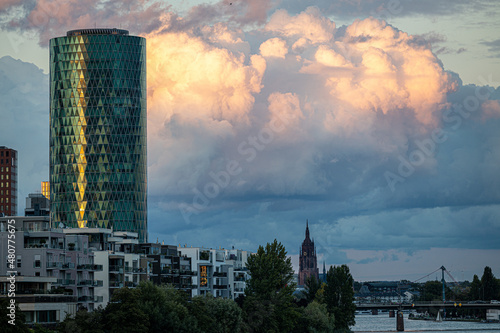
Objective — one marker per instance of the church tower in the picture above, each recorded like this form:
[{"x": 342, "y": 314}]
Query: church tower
[{"x": 308, "y": 264}]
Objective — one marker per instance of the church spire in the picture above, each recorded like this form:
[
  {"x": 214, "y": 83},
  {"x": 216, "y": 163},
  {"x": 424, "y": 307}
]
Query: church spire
[{"x": 307, "y": 229}]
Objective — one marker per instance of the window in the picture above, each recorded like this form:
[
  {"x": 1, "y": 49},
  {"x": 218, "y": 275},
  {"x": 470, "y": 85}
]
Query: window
[{"x": 37, "y": 261}]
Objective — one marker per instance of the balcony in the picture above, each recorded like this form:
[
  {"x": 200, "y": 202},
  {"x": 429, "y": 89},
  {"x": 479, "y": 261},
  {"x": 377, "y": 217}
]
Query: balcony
[
  {"x": 191, "y": 273},
  {"x": 116, "y": 269},
  {"x": 188, "y": 286},
  {"x": 139, "y": 270},
  {"x": 98, "y": 299},
  {"x": 220, "y": 286},
  {"x": 86, "y": 299},
  {"x": 130, "y": 284},
  {"x": 115, "y": 284},
  {"x": 65, "y": 282},
  {"x": 97, "y": 283},
  {"x": 85, "y": 282},
  {"x": 54, "y": 265},
  {"x": 68, "y": 265},
  {"x": 90, "y": 267},
  {"x": 220, "y": 274}
]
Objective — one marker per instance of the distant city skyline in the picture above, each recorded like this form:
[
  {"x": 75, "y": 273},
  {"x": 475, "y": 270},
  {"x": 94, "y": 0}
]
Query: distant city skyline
[{"x": 262, "y": 114}]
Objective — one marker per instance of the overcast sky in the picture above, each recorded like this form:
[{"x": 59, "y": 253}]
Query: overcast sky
[{"x": 378, "y": 121}]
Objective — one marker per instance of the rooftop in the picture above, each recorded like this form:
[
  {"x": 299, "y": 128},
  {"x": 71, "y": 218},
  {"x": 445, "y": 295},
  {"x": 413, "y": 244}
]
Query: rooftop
[{"x": 97, "y": 31}]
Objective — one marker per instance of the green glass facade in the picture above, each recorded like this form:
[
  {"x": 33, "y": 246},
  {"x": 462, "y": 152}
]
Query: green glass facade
[{"x": 98, "y": 162}]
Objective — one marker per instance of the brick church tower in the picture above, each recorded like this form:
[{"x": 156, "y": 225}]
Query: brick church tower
[{"x": 308, "y": 264}]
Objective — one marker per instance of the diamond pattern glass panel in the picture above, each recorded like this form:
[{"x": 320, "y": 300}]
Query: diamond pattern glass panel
[{"x": 98, "y": 170}]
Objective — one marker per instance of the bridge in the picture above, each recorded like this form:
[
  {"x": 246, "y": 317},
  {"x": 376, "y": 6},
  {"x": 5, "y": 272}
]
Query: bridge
[{"x": 426, "y": 305}]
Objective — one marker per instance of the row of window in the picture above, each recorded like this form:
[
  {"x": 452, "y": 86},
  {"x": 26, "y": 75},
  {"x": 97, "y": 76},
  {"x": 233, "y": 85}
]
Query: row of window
[
  {"x": 6, "y": 200},
  {"x": 6, "y": 153},
  {"x": 2, "y": 169},
  {"x": 6, "y": 184},
  {"x": 6, "y": 161},
  {"x": 2, "y": 208}
]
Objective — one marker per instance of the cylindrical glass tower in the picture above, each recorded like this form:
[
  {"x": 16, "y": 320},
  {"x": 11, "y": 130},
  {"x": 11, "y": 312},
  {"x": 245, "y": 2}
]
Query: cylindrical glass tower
[{"x": 98, "y": 167}]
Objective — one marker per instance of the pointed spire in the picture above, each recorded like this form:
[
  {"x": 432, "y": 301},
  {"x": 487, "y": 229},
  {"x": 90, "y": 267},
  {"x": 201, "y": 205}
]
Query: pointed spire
[
  {"x": 307, "y": 229},
  {"x": 324, "y": 268}
]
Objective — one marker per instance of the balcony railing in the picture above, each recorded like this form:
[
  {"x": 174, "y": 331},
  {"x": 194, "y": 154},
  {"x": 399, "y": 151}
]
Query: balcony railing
[
  {"x": 220, "y": 274},
  {"x": 86, "y": 299},
  {"x": 116, "y": 268},
  {"x": 130, "y": 284},
  {"x": 53, "y": 265},
  {"x": 220, "y": 286},
  {"x": 65, "y": 282},
  {"x": 85, "y": 282},
  {"x": 115, "y": 284},
  {"x": 97, "y": 283},
  {"x": 68, "y": 265},
  {"x": 90, "y": 267}
]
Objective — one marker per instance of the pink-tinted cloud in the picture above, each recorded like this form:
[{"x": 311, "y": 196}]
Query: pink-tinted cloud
[{"x": 52, "y": 18}]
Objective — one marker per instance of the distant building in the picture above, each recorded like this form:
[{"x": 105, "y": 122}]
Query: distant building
[
  {"x": 169, "y": 266},
  {"x": 219, "y": 272},
  {"x": 42, "y": 252},
  {"x": 8, "y": 181},
  {"x": 308, "y": 264},
  {"x": 46, "y": 189},
  {"x": 37, "y": 205}
]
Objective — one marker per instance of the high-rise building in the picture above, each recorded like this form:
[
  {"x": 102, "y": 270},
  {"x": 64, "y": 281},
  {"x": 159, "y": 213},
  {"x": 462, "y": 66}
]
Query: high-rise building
[
  {"x": 8, "y": 181},
  {"x": 308, "y": 263},
  {"x": 46, "y": 189},
  {"x": 98, "y": 171}
]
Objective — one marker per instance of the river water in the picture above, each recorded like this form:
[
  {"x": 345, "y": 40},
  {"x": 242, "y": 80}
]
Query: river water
[{"x": 383, "y": 323}]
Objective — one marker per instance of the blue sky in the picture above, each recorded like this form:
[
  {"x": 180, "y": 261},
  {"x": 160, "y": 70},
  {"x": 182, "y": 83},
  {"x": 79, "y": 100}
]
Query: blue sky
[{"x": 375, "y": 120}]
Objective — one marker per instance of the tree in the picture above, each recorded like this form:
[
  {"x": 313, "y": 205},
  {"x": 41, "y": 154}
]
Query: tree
[
  {"x": 5, "y": 320},
  {"x": 475, "y": 289},
  {"x": 123, "y": 314},
  {"x": 83, "y": 322},
  {"x": 166, "y": 308},
  {"x": 312, "y": 285},
  {"x": 268, "y": 304},
  {"x": 216, "y": 315},
  {"x": 489, "y": 285},
  {"x": 315, "y": 319},
  {"x": 339, "y": 296}
]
